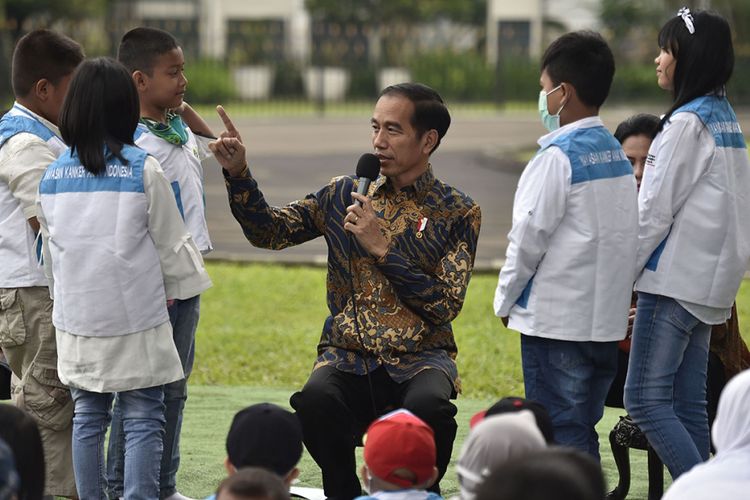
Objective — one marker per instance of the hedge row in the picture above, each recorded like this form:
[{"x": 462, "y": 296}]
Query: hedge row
[{"x": 462, "y": 77}]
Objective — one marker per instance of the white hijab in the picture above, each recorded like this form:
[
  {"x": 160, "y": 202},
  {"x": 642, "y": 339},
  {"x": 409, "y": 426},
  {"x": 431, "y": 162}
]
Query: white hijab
[
  {"x": 727, "y": 474},
  {"x": 494, "y": 441}
]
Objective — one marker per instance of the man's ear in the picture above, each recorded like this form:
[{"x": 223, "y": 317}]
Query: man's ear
[
  {"x": 430, "y": 138},
  {"x": 141, "y": 80},
  {"x": 41, "y": 89}
]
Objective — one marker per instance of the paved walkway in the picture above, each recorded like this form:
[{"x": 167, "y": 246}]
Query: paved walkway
[{"x": 293, "y": 157}]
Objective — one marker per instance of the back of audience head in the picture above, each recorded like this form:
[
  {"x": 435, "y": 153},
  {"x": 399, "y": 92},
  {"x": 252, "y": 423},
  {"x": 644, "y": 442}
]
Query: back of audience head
[
  {"x": 493, "y": 442},
  {"x": 725, "y": 475},
  {"x": 513, "y": 404},
  {"x": 21, "y": 434},
  {"x": 408, "y": 465},
  {"x": 101, "y": 108},
  {"x": 9, "y": 482},
  {"x": 253, "y": 483},
  {"x": 268, "y": 436},
  {"x": 635, "y": 134},
  {"x": 731, "y": 429},
  {"x": 555, "y": 473}
]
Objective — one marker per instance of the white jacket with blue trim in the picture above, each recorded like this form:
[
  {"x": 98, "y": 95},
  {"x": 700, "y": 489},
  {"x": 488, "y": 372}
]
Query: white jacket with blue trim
[
  {"x": 28, "y": 144},
  {"x": 183, "y": 169},
  {"x": 112, "y": 271},
  {"x": 694, "y": 207},
  {"x": 570, "y": 261}
]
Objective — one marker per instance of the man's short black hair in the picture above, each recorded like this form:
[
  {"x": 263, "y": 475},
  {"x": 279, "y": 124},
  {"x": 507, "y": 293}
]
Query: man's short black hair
[
  {"x": 43, "y": 54},
  {"x": 583, "y": 59},
  {"x": 430, "y": 111},
  {"x": 140, "y": 47}
]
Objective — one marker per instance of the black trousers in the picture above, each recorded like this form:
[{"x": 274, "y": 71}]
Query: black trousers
[{"x": 335, "y": 409}]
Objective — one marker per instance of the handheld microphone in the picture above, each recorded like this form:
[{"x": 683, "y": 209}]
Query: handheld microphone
[{"x": 368, "y": 169}]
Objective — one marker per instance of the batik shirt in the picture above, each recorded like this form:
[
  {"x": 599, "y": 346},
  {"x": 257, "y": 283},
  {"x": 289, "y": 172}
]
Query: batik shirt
[{"x": 406, "y": 300}]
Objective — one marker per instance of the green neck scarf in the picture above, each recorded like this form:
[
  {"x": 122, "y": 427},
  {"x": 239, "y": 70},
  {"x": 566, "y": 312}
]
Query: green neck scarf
[{"x": 173, "y": 131}]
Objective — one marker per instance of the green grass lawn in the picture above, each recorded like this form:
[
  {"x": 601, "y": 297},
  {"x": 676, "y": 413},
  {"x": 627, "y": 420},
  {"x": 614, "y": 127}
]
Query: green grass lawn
[
  {"x": 260, "y": 325},
  {"x": 210, "y": 410},
  {"x": 259, "y": 328}
]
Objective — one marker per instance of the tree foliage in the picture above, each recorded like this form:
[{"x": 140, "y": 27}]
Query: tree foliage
[
  {"x": 51, "y": 10},
  {"x": 14, "y": 15},
  {"x": 381, "y": 12},
  {"x": 632, "y": 25}
]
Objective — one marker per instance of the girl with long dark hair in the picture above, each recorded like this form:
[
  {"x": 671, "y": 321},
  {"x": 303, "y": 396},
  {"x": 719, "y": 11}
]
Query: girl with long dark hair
[
  {"x": 118, "y": 251},
  {"x": 694, "y": 245}
]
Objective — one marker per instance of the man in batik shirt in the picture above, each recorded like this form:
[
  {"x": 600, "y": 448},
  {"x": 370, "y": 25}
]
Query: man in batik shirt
[{"x": 398, "y": 268}]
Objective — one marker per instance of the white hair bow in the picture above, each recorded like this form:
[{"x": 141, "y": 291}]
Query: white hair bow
[{"x": 687, "y": 17}]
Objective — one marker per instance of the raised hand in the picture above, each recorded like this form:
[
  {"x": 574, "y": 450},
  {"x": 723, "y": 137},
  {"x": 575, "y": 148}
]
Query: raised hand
[
  {"x": 228, "y": 148},
  {"x": 231, "y": 130}
]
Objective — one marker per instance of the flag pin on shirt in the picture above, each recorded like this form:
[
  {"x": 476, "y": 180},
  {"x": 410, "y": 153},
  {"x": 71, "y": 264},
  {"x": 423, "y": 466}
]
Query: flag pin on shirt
[{"x": 422, "y": 225}]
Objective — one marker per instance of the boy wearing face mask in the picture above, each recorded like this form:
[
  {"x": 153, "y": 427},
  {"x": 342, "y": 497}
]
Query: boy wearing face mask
[{"x": 570, "y": 260}]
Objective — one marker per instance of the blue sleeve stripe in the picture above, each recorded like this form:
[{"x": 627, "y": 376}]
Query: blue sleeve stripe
[
  {"x": 178, "y": 197},
  {"x": 523, "y": 299},
  {"x": 653, "y": 261},
  {"x": 39, "y": 253}
]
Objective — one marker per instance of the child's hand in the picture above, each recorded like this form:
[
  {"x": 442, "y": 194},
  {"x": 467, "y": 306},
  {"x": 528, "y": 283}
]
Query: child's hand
[
  {"x": 631, "y": 322},
  {"x": 230, "y": 153}
]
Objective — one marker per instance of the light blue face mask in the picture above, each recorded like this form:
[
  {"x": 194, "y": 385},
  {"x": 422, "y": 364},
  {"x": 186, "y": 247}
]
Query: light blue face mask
[{"x": 550, "y": 122}]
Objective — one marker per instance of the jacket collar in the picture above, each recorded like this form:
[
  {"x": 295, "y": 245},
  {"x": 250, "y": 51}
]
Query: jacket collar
[
  {"x": 24, "y": 110},
  {"x": 591, "y": 121}
]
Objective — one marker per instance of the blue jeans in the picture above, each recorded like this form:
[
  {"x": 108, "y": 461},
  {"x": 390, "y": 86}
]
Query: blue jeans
[
  {"x": 665, "y": 390},
  {"x": 143, "y": 425},
  {"x": 571, "y": 379},
  {"x": 183, "y": 314}
]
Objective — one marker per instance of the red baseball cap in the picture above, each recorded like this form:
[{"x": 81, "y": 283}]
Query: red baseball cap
[{"x": 400, "y": 440}]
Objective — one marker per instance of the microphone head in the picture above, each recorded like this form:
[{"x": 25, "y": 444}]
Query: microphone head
[{"x": 368, "y": 166}]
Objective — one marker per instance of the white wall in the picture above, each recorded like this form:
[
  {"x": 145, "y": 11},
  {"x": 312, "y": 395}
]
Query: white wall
[
  {"x": 213, "y": 16},
  {"x": 574, "y": 14},
  {"x": 513, "y": 10}
]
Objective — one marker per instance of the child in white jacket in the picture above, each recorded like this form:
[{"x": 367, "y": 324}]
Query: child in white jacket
[
  {"x": 118, "y": 251},
  {"x": 693, "y": 239}
]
